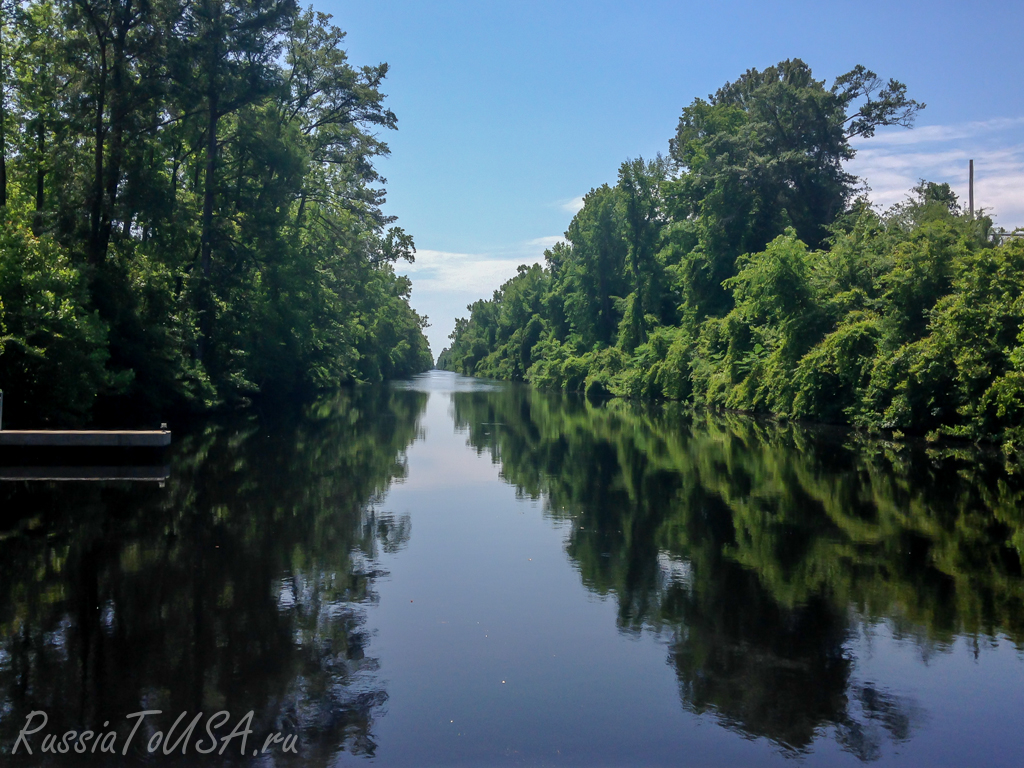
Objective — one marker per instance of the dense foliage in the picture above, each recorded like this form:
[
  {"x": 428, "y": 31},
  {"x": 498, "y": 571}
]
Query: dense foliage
[
  {"x": 743, "y": 272},
  {"x": 761, "y": 549},
  {"x": 189, "y": 211}
]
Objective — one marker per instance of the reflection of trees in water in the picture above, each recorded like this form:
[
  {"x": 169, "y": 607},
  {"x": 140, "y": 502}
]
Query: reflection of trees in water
[
  {"x": 118, "y": 598},
  {"x": 782, "y": 673},
  {"x": 753, "y": 546}
]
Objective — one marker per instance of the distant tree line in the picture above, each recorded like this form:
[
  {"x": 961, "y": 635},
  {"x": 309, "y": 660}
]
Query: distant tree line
[
  {"x": 744, "y": 271},
  {"x": 189, "y": 211}
]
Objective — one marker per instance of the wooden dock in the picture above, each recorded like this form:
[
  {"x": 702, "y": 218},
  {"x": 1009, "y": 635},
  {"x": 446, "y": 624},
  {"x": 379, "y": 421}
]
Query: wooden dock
[{"x": 87, "y": 438}]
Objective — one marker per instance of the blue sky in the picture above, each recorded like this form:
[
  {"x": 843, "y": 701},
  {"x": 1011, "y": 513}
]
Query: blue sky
[{"x": 509, "y": 112}]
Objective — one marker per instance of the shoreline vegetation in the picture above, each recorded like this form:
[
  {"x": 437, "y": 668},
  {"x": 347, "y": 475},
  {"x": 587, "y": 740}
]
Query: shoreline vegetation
[
  {"x": 747, "y": 271},
  {"x": 190, "y": 217}
]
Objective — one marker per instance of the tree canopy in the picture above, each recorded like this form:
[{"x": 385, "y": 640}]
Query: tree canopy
[
  {"x": 746, "y": 271},
  {"x": 189, "y": 203}
]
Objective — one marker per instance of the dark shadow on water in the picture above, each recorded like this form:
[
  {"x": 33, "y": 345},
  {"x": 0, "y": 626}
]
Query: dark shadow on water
[{"x": 239, "y": 584}]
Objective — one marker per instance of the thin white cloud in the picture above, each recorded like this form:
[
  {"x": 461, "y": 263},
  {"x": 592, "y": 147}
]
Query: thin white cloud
[
  {"x": 930, "y": 133},
  {"x": 543, "y": 243},
  {"x": 459, "y": 272},
  {"x": 477, "y": 273},
  {"x": 573, "y": 206}
]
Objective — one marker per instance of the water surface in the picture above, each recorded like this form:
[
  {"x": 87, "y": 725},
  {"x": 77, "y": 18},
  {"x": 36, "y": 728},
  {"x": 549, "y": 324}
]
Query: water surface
[{"x": 457, "y": 572}]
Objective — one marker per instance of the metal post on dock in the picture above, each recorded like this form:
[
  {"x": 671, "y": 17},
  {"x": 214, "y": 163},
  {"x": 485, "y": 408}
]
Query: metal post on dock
[{"x": 970, "y": 187}]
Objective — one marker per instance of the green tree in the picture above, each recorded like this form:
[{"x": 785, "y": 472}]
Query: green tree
[
  {"x": 766, "y": 152},
  {"x": 207, "y": 169},
  {"x": 53, "y": 350},
  {"x": 640, "y": 184},
  {"x": 591, "y": 273}
]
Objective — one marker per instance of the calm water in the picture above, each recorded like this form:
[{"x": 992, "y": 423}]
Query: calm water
[{"x": 451, "y": 572}]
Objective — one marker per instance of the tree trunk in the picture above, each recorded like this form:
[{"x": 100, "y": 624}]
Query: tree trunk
[
  {"x": 3, "y": 146},
  {"x": 37, "y": 218},
  {"x": 205, "y": 305},
  {"x": 209, "y": 184},
  {"x": 40, "y": 164},
  {"x": 3, "y": 123},
  {"x": 96, "y": 213},
  {"x": 112, "y": 171}
]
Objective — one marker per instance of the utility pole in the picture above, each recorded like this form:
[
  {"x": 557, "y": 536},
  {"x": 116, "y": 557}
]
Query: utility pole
[{"x": 971, "y": 189}]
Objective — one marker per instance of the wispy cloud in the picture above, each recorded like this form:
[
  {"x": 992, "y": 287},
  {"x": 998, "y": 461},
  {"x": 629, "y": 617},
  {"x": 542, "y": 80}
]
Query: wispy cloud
[
  {"x": 932, "y": 133},
  {"x": 893, "y": 162},
  {"x": 478, "y": 273},
  {"x": 543, "y": 243},
  {"x": 573, "y": 206},
  {"x": 459, "y": 272}
]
